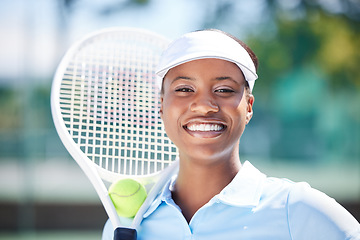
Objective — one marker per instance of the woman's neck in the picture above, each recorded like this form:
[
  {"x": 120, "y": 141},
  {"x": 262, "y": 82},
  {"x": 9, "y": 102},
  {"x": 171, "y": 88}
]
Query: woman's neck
[{"x": 198, "y": 183}]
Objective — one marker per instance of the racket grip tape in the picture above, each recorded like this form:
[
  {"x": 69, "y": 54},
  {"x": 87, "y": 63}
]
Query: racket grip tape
[{"x": 125, "y": 234}]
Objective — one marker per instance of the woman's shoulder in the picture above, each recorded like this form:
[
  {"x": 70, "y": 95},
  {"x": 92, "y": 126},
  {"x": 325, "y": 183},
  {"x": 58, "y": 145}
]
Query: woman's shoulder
[{"x": 311, "y": 209}]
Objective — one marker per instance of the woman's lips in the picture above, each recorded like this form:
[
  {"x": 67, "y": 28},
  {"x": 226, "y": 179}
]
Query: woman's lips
[{"x": 204, "y": 129}]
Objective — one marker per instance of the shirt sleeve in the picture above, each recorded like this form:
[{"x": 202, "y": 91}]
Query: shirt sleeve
[
  {"x": 108, "y": 231},
  {"x": 314, "y": 215}
]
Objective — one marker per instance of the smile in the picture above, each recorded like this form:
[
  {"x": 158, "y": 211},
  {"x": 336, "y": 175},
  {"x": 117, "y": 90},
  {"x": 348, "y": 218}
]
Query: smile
[{"x": 205, "y": 127}]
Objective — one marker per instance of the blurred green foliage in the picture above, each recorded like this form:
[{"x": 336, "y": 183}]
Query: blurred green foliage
[
  {"x": 9, "y": 108},
  {"x": 328, "y": 42},
  {"x": 13, "y": 102},
  {"x": 310, "y": 84}
]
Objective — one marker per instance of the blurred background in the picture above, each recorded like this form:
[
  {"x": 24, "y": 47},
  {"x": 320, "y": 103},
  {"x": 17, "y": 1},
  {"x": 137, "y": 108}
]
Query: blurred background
[{"x": 306, "y": 123}]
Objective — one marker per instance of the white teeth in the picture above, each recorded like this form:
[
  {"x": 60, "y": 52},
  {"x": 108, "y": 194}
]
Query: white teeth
[{"x": 204, "y": 127}]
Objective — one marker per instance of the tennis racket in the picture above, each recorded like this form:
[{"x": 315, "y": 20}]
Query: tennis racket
[{"x": 105, "y": 103}]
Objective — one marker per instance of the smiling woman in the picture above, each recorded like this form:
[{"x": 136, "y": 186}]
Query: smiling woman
[
  {"x": 211, "y": 101},
  {"x": 210, "y": 96},
  {"x": 207, "y": 79}
]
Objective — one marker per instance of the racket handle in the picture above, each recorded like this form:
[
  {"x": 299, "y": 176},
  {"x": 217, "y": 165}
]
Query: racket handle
[{"x": 125, "y": 234}]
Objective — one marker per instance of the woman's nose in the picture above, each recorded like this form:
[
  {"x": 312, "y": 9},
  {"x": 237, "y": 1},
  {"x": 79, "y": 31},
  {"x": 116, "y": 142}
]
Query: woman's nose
[{"x": 204, "y": 104}]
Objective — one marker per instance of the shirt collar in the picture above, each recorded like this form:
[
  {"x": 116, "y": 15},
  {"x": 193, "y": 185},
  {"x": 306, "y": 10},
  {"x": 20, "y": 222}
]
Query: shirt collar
[
  {"x": 163, "y": 196},
  {"x": 244, "y": 190}
]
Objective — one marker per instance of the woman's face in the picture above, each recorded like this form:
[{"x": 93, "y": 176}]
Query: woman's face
[{"x": 205, "y": 108}]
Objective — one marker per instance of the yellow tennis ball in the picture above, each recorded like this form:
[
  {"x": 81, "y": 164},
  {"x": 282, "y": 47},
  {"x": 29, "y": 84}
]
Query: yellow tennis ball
[{"x": 127, "y": 196}]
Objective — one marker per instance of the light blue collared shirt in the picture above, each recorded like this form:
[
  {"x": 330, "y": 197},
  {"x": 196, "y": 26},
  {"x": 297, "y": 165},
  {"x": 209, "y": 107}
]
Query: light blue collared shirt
[{"x": 252, "y": 206}]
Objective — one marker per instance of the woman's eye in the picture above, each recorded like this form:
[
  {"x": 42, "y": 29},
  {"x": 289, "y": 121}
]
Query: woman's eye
[
  {"x": 183, "y": 89},
  {"x": 224, "y": 90}
]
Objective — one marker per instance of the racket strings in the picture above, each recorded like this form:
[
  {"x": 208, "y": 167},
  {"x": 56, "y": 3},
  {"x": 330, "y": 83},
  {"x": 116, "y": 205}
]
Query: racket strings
[{"x": 110, "y": 105}]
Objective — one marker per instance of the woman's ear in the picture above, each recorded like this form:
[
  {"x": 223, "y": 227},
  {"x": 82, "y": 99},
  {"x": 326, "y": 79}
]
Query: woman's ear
[
  {"x": 250, "y": 103},
  {"x": 161, "y": 106}
]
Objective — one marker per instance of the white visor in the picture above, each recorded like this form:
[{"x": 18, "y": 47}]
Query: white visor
[{"x": 206, "y": 44}]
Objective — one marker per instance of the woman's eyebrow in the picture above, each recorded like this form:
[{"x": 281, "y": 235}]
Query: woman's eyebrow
[
  {"x": 182, "y": 78},
  {"x": 223, "y": 78}
]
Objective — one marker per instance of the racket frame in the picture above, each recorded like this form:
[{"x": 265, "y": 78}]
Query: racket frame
[{"x": 88, "y": 167}]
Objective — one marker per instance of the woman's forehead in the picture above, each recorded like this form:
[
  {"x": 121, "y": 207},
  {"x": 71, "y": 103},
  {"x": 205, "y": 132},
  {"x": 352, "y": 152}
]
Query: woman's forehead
[{"x": 211, "y": 67}]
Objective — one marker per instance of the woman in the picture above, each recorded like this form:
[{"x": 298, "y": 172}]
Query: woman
[{"x": 207, "y": 80}]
